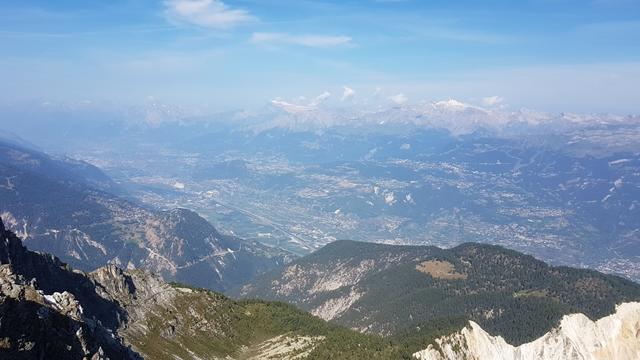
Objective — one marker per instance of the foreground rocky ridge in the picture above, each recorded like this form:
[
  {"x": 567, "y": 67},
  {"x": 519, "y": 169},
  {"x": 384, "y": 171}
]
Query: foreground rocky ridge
[
  {"x": 577, "y": 337},
  {"x": 391, "y": 290},
  {"x": 48, "y": 310},
  {"x": 72, "y": 210}
]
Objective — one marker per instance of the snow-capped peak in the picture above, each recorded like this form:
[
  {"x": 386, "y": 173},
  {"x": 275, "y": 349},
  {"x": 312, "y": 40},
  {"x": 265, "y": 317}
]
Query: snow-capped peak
[
  {"x": 294, "y": 108},
  {"x": 290, "y": 107},
  {"x": 451, "y": 105}
]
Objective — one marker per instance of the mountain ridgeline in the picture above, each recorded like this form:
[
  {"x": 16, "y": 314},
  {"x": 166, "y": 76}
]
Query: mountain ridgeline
[
  {"x": 49, "y": 310},
  {"x": 73, "y": 210},
  {"x": 393, "y": 290}
]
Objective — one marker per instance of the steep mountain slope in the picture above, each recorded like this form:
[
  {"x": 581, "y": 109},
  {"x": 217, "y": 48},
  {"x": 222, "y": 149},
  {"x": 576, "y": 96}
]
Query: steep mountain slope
[
  {"x": 64, "y": 208},
  {"x": 48, "y": 310},
  {"x": 390, "y": 290},
  {"x": 613, "y": 337}
]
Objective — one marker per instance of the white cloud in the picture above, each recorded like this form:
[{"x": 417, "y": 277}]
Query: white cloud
[
  {"x": 399, "y": 99},
  {"x": 492, "y": 101},
  {"x": 205, "y": 13},
  {"x": 302, "y": 40},
  {"x": 320, "y": 99},
  {"x": 347, "y": 94}
]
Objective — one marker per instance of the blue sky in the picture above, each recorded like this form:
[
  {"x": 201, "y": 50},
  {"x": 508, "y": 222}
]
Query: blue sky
[{"x": 556, "y": 55}]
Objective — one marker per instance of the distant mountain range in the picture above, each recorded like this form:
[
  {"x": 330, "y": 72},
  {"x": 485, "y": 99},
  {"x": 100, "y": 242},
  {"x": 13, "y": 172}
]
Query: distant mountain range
[
  {"x": 109, "y": 122},
  {"x": 73, "y": 210},
  {"x": 296, "y": 176},
  {"x": 293, "y": 178}
]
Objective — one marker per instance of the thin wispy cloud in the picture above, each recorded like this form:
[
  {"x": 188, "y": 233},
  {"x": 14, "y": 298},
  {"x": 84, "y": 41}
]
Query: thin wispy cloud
[
  {"x": 273, "y": 38},
  {"x": 212, "y": 14}
]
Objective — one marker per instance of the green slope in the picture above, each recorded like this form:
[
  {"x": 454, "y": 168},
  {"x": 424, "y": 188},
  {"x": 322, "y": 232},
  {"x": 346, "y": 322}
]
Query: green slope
[
  {"x": 506, "y": 292},
  {"x": 210, "y": 325}
]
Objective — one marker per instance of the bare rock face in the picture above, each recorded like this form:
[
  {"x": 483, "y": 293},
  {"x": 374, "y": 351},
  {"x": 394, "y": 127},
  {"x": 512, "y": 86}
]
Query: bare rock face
[
  {"x": 134, "y": 290},
  {"x": 615, "y": 337},
  {"x": 48, "y": 311},
  {"x": 327, "y": 289}
]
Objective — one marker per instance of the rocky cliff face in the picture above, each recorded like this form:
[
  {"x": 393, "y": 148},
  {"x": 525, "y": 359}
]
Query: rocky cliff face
[
  {"x": 68, "y": 210},
  {"x": 613, "y": 337},
  {"x": 49, "y": 311}
]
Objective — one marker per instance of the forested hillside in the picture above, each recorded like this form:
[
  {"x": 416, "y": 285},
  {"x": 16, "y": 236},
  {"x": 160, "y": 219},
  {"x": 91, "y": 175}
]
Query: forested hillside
[{"x": 391, "y": 290}]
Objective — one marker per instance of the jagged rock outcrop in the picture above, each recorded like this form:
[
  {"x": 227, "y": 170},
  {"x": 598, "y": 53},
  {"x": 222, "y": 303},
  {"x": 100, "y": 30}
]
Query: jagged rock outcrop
[
  {"x": 136, "y": 291},
  {"x": 48, "y": 311},
  {"x": 615, "y": 337}
]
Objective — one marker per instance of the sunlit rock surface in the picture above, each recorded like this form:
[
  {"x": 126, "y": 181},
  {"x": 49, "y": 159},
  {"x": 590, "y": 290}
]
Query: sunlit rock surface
[{"x": 613, "y": 337}]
